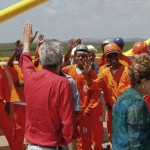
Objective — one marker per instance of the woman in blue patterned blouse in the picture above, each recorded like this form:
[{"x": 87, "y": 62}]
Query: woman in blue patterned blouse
[{"x": 131, "y": 118}]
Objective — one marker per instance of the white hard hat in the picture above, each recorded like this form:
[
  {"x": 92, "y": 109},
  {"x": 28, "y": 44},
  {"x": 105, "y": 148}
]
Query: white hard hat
[{"x": 91, "y": 48}]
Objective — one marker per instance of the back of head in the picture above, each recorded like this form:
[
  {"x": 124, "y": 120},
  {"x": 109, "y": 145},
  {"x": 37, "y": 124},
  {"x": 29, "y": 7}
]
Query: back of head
[
  {"x": 119, "y": 41},
  {"x": 140, "y": 69},
  {"x": 139, "y": 48},
  {"x": 111, "y": 48},
  {"x": 50, "y": 53},
  {"x": 105, "y": 42}
]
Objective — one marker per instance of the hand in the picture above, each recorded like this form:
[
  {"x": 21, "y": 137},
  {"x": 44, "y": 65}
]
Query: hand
[
  {"x": 27, "y": 33},
  {"x": 40, "y": 39},
  {"x": 7, "y": 108},
  {"x": 87, "y": 65},
  {"x": 73, "y": 43},
  {"x": 35, "y": 34}
]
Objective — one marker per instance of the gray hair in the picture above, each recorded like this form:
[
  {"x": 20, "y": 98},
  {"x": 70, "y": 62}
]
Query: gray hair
[{"x": 50, "y": 53}]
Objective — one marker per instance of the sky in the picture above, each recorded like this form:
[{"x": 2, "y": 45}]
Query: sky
[{"x": 66, "y": 19}]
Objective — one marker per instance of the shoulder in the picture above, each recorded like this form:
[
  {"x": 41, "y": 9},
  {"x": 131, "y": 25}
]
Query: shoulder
[
  {"x": 130, "y": 96},
  {"x": 68, "y": 67}
]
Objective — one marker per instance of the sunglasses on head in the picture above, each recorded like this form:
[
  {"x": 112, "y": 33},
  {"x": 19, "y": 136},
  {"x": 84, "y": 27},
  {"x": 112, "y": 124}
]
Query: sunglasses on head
[{"x": 112, "y": 55}]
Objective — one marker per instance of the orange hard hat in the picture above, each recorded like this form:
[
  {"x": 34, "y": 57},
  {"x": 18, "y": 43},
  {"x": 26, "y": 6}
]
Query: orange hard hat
[
  {"x": 111, "y": 48},
  {"x": 139, "y": 48}
]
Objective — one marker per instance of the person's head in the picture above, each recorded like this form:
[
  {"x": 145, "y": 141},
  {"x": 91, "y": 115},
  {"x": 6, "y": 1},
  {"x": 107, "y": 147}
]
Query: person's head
[
  {"x": 111, "y": 52},
  {"x": 140, "y": 74},
  {"x": 120, "y": 42},
  {"x": 105, "y": 42},
  {"x": 19, "y": 48},
  {"x": 139, "y": 48},
  {"x": 92, "y": 52},
  {"x": 80, "y": 55},
  {"x": 18, "y": 43},
  {"x": 50, "y": 53}
]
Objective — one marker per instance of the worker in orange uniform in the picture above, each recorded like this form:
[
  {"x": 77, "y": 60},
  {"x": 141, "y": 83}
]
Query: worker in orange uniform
[
  {"x": 114, "y": 79},
  {"x": 5, "y": 122},
  {"x": 102, "y": 60},
  {"x": 140, "y": 48},
  {"x": 123, "y": 59},
  {"x": 126, "y": 61},
  {"x": 17, "y": 97},
  {"x": 89, "y": 99},
  {"x": 96, "y": 116}
]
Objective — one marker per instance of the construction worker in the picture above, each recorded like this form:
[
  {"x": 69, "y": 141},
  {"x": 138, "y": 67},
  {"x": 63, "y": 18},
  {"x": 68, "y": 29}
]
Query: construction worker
[
  {"x": 114, "y": 80},
  {"x": 102, "y": 60},
  {"x": 89, "y": 99},
  {"x": 126, "y": 61},
  {"x": 138, "y": 49},
  {"x": 17, "y": 97},
  {"x": 96, "y": 115},
  {"x": 5, "y": 122}
]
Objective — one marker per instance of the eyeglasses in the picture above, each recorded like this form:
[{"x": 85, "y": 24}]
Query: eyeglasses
[{"x": 112, "y": 55}]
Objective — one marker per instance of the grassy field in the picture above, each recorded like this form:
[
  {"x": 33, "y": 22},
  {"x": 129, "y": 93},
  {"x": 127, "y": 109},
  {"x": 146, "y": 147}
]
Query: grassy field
[{"x": 6, "y": 49}]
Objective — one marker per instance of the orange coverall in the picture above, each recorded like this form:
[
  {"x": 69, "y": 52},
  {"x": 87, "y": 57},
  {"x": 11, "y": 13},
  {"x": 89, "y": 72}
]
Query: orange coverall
[
  {"x": 5, "y": 121},
  {"x": 17, "y": 96},
  {"x": 113, "y": 86},
  {"x": 89, "y": 123},
  {"x": 37, "y": 64}
]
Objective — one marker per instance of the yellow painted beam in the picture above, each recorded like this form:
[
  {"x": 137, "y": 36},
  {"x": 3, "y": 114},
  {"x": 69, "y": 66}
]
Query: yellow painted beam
[{"x": 19, "y": 8}]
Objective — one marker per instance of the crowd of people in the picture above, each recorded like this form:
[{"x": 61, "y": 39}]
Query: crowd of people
[{"x": 57, "y": 101}]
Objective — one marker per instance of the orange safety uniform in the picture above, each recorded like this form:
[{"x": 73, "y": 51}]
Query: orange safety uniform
[
  {"x": 86, "y": 118},
  {"x": 147, "y": 100},
  {"x": 101, "y": 61},
  {"x": 18, "y": 99},
  {"x": 38, "y": 65},
  {"x": 5, "y": 121},
  {"x": 113, "y": 85},
  {"x": 126, "y": 61}
]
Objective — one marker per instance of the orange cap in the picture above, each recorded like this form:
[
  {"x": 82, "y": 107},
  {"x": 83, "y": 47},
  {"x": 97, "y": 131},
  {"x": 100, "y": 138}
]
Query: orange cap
[
  {"x": 111, "y": 48},
  {"x": 139, "y": 48}
]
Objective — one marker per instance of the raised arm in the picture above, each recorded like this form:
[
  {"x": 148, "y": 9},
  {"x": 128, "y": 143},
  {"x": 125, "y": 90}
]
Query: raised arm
[
  {"x": 72, "y": 43},
  {"x": 16, "y": 49},
  {"x": 27, "y": 37}
]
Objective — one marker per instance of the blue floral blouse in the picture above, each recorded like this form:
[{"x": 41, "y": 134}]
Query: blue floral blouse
[{"x": 131, "y": 122}]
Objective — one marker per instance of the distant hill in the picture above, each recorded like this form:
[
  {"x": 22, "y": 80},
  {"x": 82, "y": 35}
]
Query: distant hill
[{"x": 99, "y": 40}]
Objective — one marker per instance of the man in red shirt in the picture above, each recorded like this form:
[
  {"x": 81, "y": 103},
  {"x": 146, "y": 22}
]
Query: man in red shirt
[{"x": 50, "y": 118}]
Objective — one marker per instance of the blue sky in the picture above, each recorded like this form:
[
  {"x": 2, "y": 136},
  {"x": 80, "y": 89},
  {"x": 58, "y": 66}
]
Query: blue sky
[{"x": 65, "y": 19}]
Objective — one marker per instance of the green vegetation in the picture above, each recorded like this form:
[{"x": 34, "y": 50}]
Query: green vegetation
[{"x": 6, "y": 49}]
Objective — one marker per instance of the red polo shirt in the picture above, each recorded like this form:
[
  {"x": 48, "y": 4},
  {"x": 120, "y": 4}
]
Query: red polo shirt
[{"x": 50, "y": 119}]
